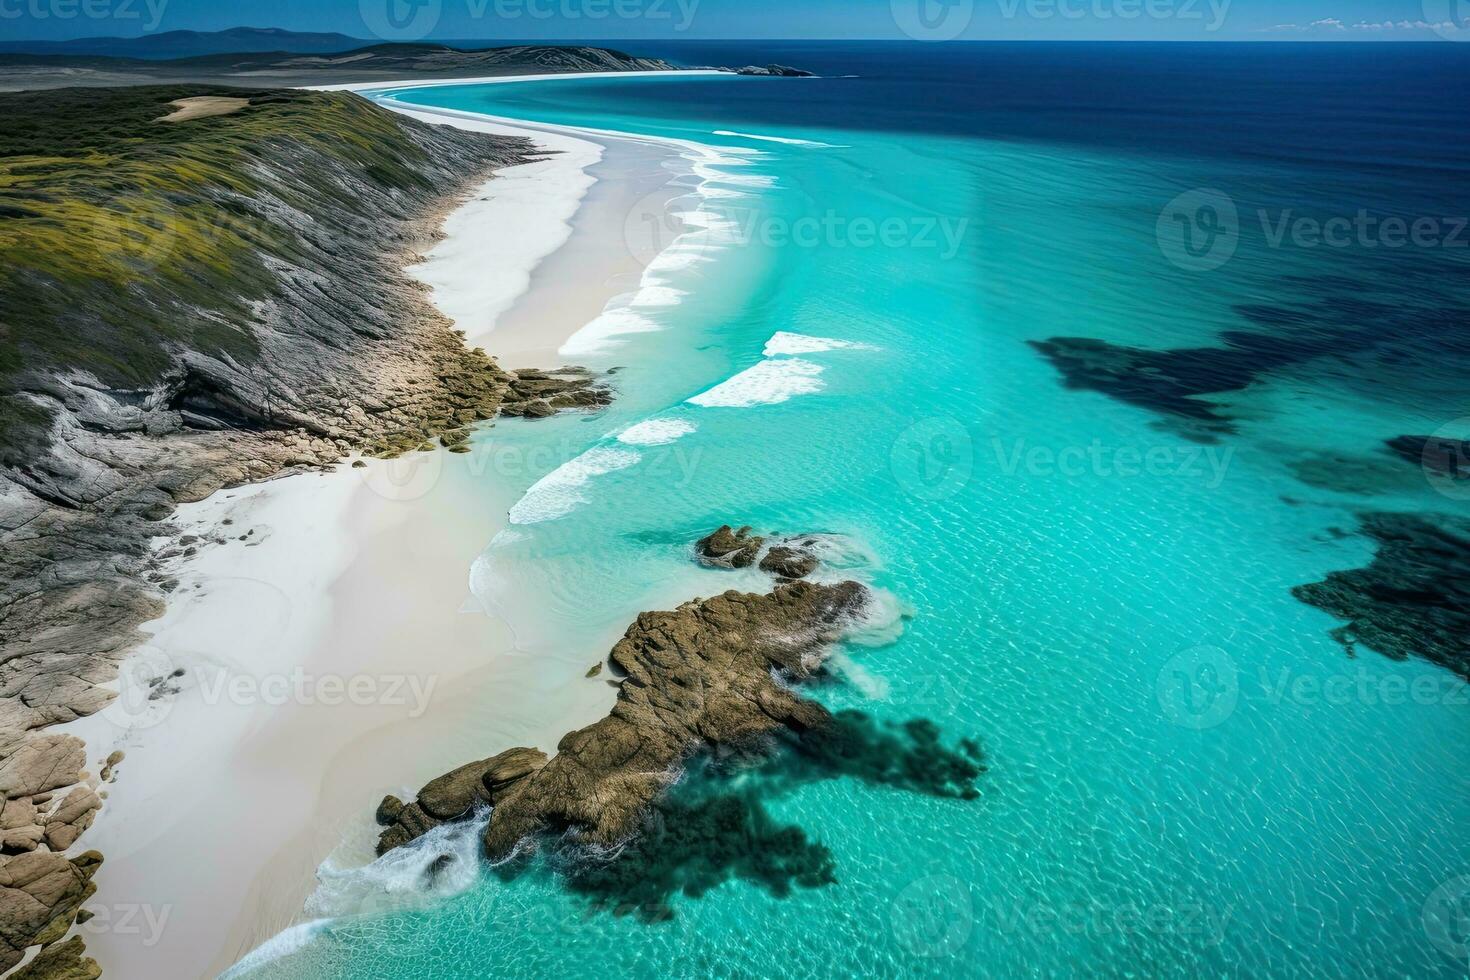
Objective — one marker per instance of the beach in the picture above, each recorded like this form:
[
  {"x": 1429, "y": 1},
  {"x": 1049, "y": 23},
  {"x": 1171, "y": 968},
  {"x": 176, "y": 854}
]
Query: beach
[{"x": 323, "y": 646}]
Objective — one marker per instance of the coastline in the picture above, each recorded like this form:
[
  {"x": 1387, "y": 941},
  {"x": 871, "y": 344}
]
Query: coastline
[{"x": 194, "y": 771}]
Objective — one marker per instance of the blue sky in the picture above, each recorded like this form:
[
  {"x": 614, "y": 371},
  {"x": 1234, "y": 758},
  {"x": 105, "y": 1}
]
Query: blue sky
[{"x": 1233, "y": 20}]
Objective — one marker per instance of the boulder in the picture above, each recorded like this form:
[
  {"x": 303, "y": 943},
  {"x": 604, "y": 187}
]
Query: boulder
[
  {"x": 508, "y": 768},
  {"x": 388, "y": 810},
  {"x": 453, "y": 793},
  {"x": 40, "y": 894},
  {"x": 74, "y": 815},
  {"x": 42, "y": 763},
  {"x": 729, "y": 548},
  {"x": 789, "y": 563},
  {"x": 61, "y": 961}
]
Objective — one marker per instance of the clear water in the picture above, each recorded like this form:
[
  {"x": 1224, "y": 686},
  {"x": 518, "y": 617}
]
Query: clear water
[{"x": 1169, "y": 792}]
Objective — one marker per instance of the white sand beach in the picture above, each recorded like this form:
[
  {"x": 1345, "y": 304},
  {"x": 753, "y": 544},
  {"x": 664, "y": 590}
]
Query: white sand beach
[{"x": 328, "y": 649}]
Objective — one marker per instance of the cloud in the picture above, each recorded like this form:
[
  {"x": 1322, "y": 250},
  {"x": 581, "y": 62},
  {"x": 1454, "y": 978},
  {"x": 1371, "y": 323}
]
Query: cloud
[{"x": 1333, "y": 24}]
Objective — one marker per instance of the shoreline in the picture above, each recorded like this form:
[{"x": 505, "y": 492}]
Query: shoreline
[{"x": 180, "y": 794}]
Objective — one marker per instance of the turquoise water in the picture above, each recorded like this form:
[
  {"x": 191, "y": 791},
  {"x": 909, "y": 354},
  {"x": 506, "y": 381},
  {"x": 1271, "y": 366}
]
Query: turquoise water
[{"x": 1088, "y": 587}]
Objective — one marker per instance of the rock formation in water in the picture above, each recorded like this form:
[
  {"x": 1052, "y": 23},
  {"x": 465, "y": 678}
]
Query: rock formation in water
[
  {"x": 1412, "y": 599},
  {"x": 780, "y": 71},
  {"x": 706, "y": 686},
  {"x": 729, "y": 547}
]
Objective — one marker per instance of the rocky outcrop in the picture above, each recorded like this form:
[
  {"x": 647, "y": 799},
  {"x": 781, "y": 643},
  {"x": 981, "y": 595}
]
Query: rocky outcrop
[
  {"x": 40, "y": 894},
  {"x": 454, "y": 795},
  {"x": 61, "y": 961},
  {"x": 782, "y": 71},
  {"x": 666, "y": 795},
  {"x": 704, "y": 674},
  {"x": 789, "y": 562},
  {"x": 729, "y": 548}
]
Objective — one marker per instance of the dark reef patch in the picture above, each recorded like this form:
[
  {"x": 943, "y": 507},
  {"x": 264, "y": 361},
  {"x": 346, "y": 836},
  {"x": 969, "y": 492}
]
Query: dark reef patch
[
  {"x": 713, "y": 826},
  {"x": 1412, "y": 599},
  {"x": 1174, "y": 383},
  {"x": 1439, "y": 456},
  {"x": 1366, "y": 337},
  {"x": 689, "y": 842}
]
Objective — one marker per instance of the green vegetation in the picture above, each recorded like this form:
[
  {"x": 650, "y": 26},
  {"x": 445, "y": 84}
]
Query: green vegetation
[{"x": 122, "y": 237}]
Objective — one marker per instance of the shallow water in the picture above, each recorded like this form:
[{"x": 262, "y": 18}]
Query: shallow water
[{"x": 1186, "y": 773}]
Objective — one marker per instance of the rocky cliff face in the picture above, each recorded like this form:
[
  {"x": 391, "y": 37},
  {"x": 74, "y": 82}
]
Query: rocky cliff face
[{"x": 185, "y": 306}]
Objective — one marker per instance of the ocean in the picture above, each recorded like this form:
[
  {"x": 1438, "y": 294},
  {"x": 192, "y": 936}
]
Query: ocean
[{"x": 1083, "y": 357}]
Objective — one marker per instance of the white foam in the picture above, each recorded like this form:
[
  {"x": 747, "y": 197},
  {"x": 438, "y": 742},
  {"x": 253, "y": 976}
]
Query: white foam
[
  {"x": 614, "y": 321},
  {"x": 881, "y": 622},
  {"x": 767, "y": 383},
  {"x": 558, "y": 493},
  {"x": 279, "y": 946},
  {"x": 443, "y": 862},
  {"x": 654, "y": 295},
  {"x": 656, "y": 432},
  {"x": 770, "y": 139},
  {"x": 783, "y": 342}
]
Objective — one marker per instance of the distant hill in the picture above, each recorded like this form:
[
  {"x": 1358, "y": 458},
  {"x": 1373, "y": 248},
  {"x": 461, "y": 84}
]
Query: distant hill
[
  {"x": 191, "y": 44},
  {"x": 378, "y": 62}
]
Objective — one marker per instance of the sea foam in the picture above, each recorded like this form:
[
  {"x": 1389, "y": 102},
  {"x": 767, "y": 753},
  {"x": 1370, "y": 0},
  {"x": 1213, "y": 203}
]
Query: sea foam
[
  {"x": 767, "y": 383},
  {"x": 656, "y": 432},
  {"x": 771, "y": 139},
  {"x": 783, "y": 342},
  {"x": 559, "y": 492}
]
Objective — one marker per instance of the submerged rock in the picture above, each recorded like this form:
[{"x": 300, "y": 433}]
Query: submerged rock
[
  {"x": 1449, "y": 458},
  {"x": 1412, "y": 599}
]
